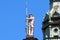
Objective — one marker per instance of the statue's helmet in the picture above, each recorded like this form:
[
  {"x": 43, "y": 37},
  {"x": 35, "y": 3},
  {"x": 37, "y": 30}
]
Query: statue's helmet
[{"x": 30, "y": 15}]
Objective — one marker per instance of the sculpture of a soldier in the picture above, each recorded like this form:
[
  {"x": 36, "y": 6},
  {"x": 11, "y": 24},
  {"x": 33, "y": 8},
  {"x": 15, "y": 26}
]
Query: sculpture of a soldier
[{"x": 30, "y": 25}]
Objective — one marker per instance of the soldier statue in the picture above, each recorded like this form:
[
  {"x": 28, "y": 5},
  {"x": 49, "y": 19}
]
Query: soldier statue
[{"x": 30, "y": 25}]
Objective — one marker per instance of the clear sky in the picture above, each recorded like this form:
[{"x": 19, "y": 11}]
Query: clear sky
[{"x": 12, "y": 18}]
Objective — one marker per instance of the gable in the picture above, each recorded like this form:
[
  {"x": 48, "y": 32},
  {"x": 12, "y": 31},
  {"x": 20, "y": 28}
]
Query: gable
[
  {"x": 56, "y": 13},
  {"x": 53, "y": 12}
]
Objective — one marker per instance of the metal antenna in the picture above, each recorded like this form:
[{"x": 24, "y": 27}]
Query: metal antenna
[{"x": 26, "y": 8}]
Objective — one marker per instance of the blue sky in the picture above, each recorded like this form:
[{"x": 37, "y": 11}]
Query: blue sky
[{"x": 12, "y": 18}]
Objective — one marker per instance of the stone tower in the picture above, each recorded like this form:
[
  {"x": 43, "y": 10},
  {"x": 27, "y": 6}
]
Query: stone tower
[{"x": 51, "y": 23}]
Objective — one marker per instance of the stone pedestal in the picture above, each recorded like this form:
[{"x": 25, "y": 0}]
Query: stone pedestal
[{"x": 30, "y": 38}]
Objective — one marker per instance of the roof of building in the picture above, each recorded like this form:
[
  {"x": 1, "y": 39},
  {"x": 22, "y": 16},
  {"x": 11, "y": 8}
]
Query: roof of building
[{"x": 48, "y": 15}]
